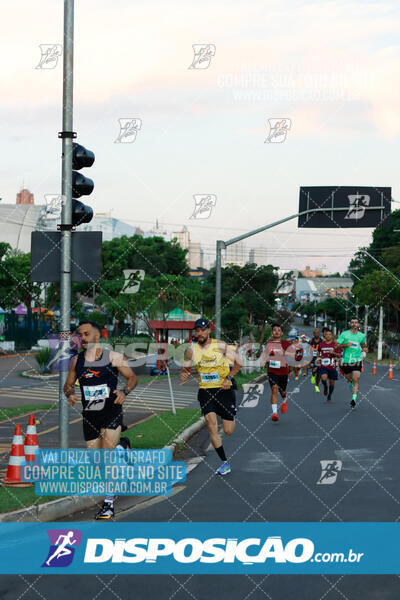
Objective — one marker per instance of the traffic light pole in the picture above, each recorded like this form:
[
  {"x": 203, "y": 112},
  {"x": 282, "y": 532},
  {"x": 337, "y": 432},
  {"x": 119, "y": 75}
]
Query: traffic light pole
[
  {"x": 66, "y": 217},
  {"x": 221, "y": 245}
]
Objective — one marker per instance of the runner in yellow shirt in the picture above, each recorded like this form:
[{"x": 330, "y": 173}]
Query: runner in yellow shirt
[{"x": 212, "y": 359}]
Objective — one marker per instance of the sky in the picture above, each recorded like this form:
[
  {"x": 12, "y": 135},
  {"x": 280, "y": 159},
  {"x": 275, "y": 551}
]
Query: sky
[{"x": 330, "y": 67}]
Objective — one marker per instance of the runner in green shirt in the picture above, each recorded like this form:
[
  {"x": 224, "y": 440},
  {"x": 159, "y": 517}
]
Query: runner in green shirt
[{"x": 353, "y": 343}]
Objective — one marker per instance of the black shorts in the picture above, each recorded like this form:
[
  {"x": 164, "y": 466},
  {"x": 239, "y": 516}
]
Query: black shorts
[
  {"x": 350, "y": 367},
  {"x": 222, "y": 402},
  {"x": 279, "y": 380},
  {"x": 104, "y": 419},
  {"x": 332, "y": 373}
]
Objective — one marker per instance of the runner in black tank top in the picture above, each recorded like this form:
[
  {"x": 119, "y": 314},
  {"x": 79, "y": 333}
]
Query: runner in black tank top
[{"x": 97, "y": 370}]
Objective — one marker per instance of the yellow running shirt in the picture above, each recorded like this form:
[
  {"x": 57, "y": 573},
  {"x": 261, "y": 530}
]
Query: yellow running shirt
[{"x": 211, "y": 365}]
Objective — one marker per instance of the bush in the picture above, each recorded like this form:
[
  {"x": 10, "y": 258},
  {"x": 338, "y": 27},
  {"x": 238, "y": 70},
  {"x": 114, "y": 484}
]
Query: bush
[{"x": 42, "y": 358}]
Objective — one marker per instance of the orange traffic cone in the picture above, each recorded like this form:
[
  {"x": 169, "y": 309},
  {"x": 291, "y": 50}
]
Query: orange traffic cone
[
  {"x": 374, "y": 368},
  {"x": 390, "y": 373},
  {"x": 31, "y": 445},
  {"x": 17, "y": 458}
]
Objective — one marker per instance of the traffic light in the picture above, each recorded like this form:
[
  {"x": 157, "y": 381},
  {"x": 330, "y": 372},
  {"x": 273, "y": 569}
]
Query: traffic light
[
  {"x": 81, "y": 185},
  {"x": 81, "y": 213}
]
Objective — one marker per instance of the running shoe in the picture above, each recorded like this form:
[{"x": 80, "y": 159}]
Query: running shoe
[
  {"x": 313, "y": 379},
  {"x": 352, "y": 403},
  {"x": 125, "y": 443},
  {"x": 224, "y": 469},
  {"x": 284, "y": 407},
  {"x": 274, "y": 417},
  {"x": 297, "y": 377},
  {"x": 105, "y": 512},
  {"x": 316, "y": 388}
]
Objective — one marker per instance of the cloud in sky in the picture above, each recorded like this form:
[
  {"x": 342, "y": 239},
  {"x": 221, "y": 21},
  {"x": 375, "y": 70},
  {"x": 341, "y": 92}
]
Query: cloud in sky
[{"x": 331, "y": 66}]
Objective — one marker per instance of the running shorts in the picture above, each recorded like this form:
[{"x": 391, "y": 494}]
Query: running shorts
[
  {"x": 350, "y": 367},
  {"x": 279, "y": 380},
  {"x": 332, "y": 373},
  {"x": 94, "y": 423},
  {"x": 218, "y": 400}
]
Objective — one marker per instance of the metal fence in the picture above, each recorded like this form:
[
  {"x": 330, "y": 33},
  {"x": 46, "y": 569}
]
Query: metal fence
[{"x": 25, "y": 330}]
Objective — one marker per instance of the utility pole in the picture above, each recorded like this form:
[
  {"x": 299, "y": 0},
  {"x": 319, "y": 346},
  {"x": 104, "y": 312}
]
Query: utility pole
[
  {"x": 66, "y": 217},
  {"x": 221, "y": 245},
  {"x": 380, "y": 338},
  {"x": 366, "y": 321}
]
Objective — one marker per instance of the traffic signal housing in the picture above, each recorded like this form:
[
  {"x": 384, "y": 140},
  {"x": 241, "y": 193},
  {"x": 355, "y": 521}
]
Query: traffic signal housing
[{"x": 81, "y": 185}]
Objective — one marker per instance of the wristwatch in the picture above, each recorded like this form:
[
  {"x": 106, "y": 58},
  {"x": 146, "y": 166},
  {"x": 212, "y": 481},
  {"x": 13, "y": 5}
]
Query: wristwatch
[
  {"x": 228, "y": 377},
  {"x": 126, "y": 391}
]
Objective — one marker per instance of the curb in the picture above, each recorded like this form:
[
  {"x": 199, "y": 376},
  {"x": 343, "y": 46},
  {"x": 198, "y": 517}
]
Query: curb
[
  {"x": 55, "y": 509},
  {"x": 62, "y": 507},
  {"x": 41, "y": 377}
]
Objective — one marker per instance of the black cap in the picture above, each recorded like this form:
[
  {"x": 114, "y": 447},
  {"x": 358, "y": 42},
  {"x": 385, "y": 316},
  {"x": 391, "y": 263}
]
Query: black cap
[{"x": 203, "y": 323}]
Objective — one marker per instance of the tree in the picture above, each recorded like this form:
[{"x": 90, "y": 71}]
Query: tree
[
  {"x": 165, "y": 267},
  {"x": 378, "y": 287},
  {"x": 15, "y": 284},
  {"x": 248, "y": 293},
  {"x": 384, "y": 246}
]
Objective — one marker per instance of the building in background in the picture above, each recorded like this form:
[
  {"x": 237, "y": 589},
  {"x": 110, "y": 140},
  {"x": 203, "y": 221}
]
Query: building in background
[
  {"x": 319, "y": 272},
  {"x": 25, "y": 197},
  {"x": 319, "y": 288},
  {"x": 158, "y": 231},
  {"x": 195, "y": 255},
  {"x": 19, "y": 220},
  {"x": 235, "y": 254},
  {"x": 110, "y": 227},
  {"x": 259, "y": 256}
]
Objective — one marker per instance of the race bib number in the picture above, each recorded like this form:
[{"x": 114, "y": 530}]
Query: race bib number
[
  {"x": 275, "y": 364},
  {"x": 325, "y": 362},
  {"x": 314, "y": 353},
  {"x": 355, "y": 345},
  {"x": 96, "y": 396},
  {"x": 210, "y": 377}
]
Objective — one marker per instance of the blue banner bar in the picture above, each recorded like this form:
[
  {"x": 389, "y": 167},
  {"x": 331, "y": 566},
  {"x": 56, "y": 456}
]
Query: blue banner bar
[{"x": 196, "y": 548}]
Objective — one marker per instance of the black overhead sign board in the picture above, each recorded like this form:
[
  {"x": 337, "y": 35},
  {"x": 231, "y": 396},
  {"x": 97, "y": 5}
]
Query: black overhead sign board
[{"x": 359, "y": 206}]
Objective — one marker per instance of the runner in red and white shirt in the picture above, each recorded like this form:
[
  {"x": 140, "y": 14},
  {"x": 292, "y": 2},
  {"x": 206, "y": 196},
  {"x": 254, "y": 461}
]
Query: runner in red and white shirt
[
  {"x": 278, "y": 370},
  {"x": 328, "y": 353}
]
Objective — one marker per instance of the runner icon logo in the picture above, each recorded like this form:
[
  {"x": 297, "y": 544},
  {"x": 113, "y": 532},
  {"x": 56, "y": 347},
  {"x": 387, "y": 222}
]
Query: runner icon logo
[
  {"x": 278, "y": 130},
  {"x": 50, "y": 54},
  {"x": 62, "y": 547},
  {"x": 329, "y": 471},
  {"x": 128, "y": 129},
  {"x": 357, "y": 202},
  {"x": 203, "y": 205},
  {"x": 203, "y": 54},
  {"x": 251, "y": 394}
]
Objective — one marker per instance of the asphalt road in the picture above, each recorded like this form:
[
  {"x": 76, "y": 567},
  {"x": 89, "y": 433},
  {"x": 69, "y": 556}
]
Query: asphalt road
[{"x": 276, "y": 468}]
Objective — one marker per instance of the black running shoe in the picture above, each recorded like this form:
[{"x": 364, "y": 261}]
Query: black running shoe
[
  {"x": 105, "y": 512},
  {"x": 125, "y": 443},
  {"x": 352, "y": 403}
]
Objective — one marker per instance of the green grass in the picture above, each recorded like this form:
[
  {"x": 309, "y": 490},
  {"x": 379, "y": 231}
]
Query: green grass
[
  {"x": 157, "y": 432},
  {"x": 14, "y": 411},
  {"x": 146, "y": 379},
  {"x": 371, "y": 356},
  {"x": 17, "y": 498},
  {"x": 242, "y": 378},
  {"x": 162, "y": 429}
]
